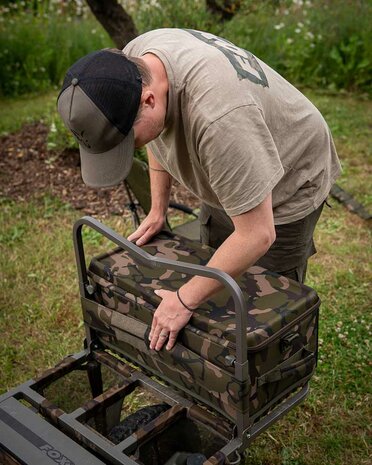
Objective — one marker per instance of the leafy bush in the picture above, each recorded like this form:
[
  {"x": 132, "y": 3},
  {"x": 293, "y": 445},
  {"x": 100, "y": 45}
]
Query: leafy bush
[
  {"x": 37, "y": 50},
  {"x": 315, "y": 44},
  {"x": 155, "y": 14},
  {"x": 312, "y": 43}
]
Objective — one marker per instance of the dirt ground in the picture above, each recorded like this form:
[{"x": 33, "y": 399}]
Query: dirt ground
[{"x": 28, "y": 170}]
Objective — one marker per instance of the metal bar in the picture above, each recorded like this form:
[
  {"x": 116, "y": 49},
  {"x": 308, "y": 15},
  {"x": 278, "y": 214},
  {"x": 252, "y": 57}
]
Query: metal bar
[
  {"x": 65, "y": 366},
  {"x": 165, "y": 393},
  {"x": 115, "y": 364},
  {"x": 275, "y": 415},
  {"x": 96, "y": 405},
  {"x": 95, "y": 378},
  {"x": 92, "y": 439}
]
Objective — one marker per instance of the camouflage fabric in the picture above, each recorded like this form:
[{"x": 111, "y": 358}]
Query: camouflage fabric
[{"x": 281, "y": 332}]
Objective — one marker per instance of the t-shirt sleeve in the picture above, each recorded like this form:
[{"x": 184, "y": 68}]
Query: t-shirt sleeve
[{"x": 240, "y": 159}]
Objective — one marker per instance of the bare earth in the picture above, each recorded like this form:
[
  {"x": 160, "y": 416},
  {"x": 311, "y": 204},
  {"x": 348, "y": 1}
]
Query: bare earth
[{"x": 28, "y": 171}]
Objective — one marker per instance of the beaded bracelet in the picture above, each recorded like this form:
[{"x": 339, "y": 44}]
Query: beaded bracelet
[{"x": 183, "y": 303}]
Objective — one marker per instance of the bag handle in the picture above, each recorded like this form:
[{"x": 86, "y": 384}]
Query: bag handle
[{"x": 304, "y": 365}]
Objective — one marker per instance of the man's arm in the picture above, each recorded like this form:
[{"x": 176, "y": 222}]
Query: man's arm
[
  {"x": 254, "y": 233},
  {"x": 161, "y": 182}
]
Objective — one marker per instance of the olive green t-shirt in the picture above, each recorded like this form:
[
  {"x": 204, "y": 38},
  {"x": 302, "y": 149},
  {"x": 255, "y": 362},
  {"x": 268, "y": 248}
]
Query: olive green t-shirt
[{"x": 236, "y": 130}]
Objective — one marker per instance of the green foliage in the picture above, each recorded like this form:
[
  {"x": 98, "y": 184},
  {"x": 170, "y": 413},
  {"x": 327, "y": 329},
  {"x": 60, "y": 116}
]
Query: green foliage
[
  {"x": 156, "y": 14},
  {"x": 314, "y": 44},
  {"x": 37, "y": 50}
]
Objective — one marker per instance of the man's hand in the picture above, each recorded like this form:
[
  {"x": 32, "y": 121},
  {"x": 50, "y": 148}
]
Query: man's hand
[
  {"x": 169, "y": 318},
  {"x": 151, "y": 225}
]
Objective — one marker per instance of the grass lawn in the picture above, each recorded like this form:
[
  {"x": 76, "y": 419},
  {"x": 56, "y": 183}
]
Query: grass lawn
[
  {"x": 40, "y": 318},
  {"x": 18, "y": 111}
]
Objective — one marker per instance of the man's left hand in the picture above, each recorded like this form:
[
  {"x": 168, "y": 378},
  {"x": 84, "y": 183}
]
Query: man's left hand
[{"x": 169, "y": 318}]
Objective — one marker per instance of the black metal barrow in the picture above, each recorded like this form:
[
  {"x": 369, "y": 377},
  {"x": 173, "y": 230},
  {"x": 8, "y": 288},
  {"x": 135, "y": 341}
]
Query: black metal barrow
[{"x": 68, "y": 415}]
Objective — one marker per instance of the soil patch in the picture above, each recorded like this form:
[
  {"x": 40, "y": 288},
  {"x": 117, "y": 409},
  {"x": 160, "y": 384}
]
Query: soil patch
[{"x": 28, "y": 171}]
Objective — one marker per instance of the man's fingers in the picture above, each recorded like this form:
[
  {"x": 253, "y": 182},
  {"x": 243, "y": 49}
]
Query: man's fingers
[
  {"x": 160, "y": 293},
  {"x": 142, "y": 236},
  {"x": 155, "y": 337},
  {"x": 171, "y": 339},
  {"x": 145, "y": 237},
  {"x": 153, "y": 326},
  {"x": 137, "y": 233},
  {"x": 163, "y": 337}
]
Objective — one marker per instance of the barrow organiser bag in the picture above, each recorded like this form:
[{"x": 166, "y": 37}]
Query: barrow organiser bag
[{"x": 281, "y": 332}]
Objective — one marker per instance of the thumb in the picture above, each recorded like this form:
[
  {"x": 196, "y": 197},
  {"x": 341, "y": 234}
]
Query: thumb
[{"x": 160, "y": 293}]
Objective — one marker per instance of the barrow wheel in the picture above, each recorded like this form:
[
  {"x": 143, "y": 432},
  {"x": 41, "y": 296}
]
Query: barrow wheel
[{"x": 136, "y": 421}]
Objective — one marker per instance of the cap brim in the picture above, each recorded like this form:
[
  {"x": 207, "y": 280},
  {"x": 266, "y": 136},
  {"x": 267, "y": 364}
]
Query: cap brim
[{"x": 108, "y": 168}]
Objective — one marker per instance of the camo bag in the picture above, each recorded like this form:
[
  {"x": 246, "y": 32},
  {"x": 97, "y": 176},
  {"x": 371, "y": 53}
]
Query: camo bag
[{"x": 282, "y": 328}]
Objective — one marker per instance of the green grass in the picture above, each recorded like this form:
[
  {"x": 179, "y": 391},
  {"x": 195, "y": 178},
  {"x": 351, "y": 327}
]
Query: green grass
[
  {"x": 16, "y": 112},
  {"x": 40, "y": 317},
  {"x": 349, "y": 118}
]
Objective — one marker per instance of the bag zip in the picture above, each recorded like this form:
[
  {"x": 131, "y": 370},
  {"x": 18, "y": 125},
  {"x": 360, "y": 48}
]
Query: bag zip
[{"x": 283, "y": 330}]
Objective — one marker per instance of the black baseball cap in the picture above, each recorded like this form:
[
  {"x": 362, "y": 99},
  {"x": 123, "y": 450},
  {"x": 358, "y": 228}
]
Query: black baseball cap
[{"x": 99, "y": 102}]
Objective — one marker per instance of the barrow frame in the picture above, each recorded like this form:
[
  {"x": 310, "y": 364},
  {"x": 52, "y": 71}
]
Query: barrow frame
[{"x": 236, "y": 438}]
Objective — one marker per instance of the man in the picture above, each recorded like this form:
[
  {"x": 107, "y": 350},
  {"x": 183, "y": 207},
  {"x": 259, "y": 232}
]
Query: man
[{"x": 255, "y": 151}]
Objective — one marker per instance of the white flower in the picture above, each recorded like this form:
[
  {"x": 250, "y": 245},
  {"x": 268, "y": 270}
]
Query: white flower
[
  {"x": 53, "y": 127},
  {"x": 289, "y": 40},
  {"x": 297, "y": 30},
  {"x": 93, "y": 31},
  {"x": 279, "y": 26},
  {"x": 286, "y": 12},
  {"x": 299, "y": 24}
]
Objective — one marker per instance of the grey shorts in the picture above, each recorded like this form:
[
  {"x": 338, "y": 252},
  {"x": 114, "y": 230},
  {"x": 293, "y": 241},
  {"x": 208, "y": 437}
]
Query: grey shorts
[{"x": 289, "y": 253}]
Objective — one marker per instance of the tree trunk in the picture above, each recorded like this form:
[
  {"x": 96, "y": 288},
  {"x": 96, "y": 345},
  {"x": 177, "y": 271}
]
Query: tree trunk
[
  {"x": 226, "y": 9},
  {"x": 115, "y": 20}
]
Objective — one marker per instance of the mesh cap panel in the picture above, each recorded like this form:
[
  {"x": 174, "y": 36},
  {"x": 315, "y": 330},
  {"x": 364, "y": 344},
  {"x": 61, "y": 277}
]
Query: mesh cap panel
[{"x": 112, "y": 82}]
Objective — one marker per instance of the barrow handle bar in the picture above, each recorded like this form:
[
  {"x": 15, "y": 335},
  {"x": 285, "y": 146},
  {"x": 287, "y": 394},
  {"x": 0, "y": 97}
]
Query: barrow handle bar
[{"x": 140, "y": 256}]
